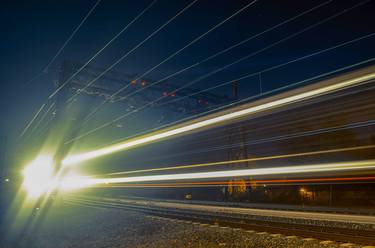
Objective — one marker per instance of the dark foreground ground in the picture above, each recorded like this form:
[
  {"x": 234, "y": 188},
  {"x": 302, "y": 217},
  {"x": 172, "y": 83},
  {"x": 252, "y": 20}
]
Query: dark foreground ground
[{"x": 78, "y": 226}]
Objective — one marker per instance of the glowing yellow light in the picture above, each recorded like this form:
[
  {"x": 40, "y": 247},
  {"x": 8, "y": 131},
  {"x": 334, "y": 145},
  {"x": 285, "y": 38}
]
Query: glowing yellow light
[
  {"x": 328, "y": 167},
  {"x": 74, "y": 159},
  {"x": 38, "y": 176},
  {"x": 72, "y": 181}
]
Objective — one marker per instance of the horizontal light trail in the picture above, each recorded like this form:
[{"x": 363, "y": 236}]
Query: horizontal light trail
[
  {"x": 247, "y": 182},
  {"x": 254, "y": 142},
  {"x": 74, "y": 159},
  {"x": 315, "y": 168},
  {"x": 137, "y": 110},
  {"x": 225, "y": 185},
  {"x": 218, "y": 107},
  {"x": 245, "y": 160},
  {"x": 277, "y": 138}
]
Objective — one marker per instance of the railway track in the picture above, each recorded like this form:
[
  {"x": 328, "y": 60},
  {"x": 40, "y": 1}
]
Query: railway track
[{"x": 363, "y": 237}]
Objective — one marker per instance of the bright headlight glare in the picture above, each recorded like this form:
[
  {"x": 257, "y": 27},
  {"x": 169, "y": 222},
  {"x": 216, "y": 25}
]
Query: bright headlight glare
[{"x": 38, "y": 176}]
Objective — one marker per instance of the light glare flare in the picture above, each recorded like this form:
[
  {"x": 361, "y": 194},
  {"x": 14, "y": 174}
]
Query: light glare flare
[{"x": 38, "y": 176}]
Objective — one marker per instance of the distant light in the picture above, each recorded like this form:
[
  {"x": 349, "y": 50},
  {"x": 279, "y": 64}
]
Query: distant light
[{"x": 6, "y": 180}]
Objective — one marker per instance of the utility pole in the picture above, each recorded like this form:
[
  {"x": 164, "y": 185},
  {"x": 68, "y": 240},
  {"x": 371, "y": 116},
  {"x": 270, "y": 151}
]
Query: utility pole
[
  {"x": 330, "y": 194},
  {"x": 236, "y": 188}
]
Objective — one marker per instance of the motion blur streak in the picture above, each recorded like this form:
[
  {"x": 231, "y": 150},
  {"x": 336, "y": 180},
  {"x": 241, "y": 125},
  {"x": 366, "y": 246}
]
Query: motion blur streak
[
  {"x": 245, "y": 160},
  {"x": 328, "y": 167},
  {"x": 74, "y": 159},
  {"x": 247, "y": 182}
]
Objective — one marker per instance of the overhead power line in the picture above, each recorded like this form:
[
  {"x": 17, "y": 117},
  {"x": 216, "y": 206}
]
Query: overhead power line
[
  {"x": 45, "y": 70},
  {"x": 138, "y": 45},
  {"x": 102, "y": 49},
  {"x": 72, "y": 35},
  {"x": 241, "y": 59},
  {"x": 169, "y": 57},
  {"x": 32, "y": 120}
]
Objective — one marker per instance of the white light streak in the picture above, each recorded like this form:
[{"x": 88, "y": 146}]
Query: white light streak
[
  {"x": 315, "y": 168},
  {"x": 74, "y": 159}
]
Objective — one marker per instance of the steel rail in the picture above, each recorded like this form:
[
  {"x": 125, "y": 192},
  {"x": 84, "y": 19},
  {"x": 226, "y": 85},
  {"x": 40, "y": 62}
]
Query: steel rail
[{"x": 364, "y": 237}]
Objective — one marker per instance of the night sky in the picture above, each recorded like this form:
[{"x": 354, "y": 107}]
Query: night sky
[{"x": 33, "y": 31}]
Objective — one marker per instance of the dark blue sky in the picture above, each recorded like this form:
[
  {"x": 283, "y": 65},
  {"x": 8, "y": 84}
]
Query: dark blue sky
[{"x": 33, "y": 31}]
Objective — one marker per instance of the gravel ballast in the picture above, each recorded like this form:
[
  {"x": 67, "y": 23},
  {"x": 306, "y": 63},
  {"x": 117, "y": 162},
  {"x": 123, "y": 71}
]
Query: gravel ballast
[{"x": 81, "y": 226}]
